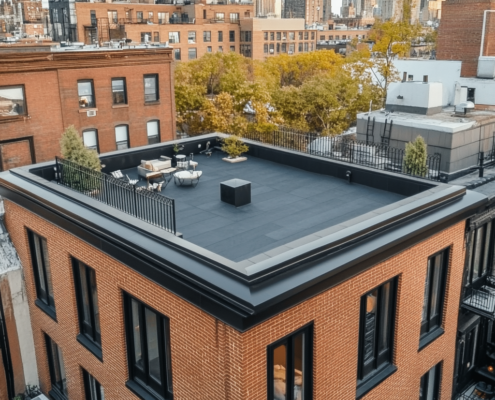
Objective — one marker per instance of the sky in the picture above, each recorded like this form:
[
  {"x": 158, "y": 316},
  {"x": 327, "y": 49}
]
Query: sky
[{"x": 336, "y": 4}]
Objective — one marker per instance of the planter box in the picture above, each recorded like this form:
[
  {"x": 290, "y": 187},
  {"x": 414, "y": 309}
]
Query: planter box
[{"x": 234, "y": 160}]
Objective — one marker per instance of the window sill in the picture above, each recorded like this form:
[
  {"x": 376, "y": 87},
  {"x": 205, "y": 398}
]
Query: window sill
[
  {"x": 120, "y": 106},
  {"x": 46, "y": 309},
  {"x": 151, "y": 103},
  {"x": 84, "y": 110},
  {"x": 91, "y": 346},
  {"x": 142, "y": 392},
  {"x": 374, "y": 381},
  {"x": 56, "y": 395},
  {"x": 16, "y": 118},
  {"x": 430, "y": 337}
]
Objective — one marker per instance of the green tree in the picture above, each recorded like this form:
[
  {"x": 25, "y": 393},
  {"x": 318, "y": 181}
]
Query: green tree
[
  {"x": 72, "y": 148},
  {"x": 234, "y": 146},
  {"x": 415, "y": 157}
]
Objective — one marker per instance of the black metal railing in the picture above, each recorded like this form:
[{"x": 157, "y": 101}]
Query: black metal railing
[
  {"x": 481, "y": 300},
  {"x": 347, "y": 149},
  {"x": 148, "y": 206}
]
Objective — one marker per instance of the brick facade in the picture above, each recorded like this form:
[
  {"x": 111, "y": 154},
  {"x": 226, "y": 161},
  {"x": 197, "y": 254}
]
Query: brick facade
[
  {"x": 50, "y": 88},
  {"x": 464, "y": 44},
  {"x": 211, "y": 360}
]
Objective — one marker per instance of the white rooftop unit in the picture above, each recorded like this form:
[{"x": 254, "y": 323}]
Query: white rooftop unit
[{"x": 486, "y": 67}]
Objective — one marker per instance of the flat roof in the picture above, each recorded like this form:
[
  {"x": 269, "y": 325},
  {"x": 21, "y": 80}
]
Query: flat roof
[{"x": 287, "y": 204}]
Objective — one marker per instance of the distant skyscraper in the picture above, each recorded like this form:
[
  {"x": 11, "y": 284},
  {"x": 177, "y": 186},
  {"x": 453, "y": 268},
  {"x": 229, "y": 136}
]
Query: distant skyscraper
[{"x": 294, "y": 9}]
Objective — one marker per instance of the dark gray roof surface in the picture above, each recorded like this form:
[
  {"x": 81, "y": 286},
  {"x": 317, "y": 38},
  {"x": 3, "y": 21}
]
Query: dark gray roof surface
[{"x": 287, "y": 204}]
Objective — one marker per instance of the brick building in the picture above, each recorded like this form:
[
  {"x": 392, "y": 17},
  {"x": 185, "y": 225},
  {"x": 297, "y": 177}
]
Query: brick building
[
  {"x": 115, "y": 98},
  {"x": 465, "y": 44},
  {"x": 337, "y": 282}
]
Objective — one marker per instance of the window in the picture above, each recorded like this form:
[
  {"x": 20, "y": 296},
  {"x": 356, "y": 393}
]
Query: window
[
  {"x": 231, "y": 36},
  {"x": 220, "y": 49},
  {"x": 245, "y": 36},
  {"x": 93, "y": 17},
  {"x": 436, "y": 275},
  {"x": 305, "y": 46},
  {"x": 284, "y": 47},
  {"x": 330, "y": 37},
  {"x": 204, "y": 14},
  {"x": 300, "y": 48},
  {"x": 232, "y": 48},
  {"x": 322, "y": 37},
  {"x": 177, "y": 54},
  {"x": 42, "y": 273},
  {"x": 470, "y": 94},
  {"x": 312, "y": 36},
  {"x": 376, "y": 334},
  {"x": 265, "y": 35},
  {"x": 207, "y": 36},
  {"x": 163, "y": 17},
  {"x": 265, "y": 48},
  {"x": 246, "y": 50},
  {"x": 279, "y": 35},
  {"x": 112, "y": 17},
  {"x": 90, "y": 139},
  {"x": 156, "y": 37},
  {"x": 220, "y": 16},
  {"x": 291, "y": 48},
  {"x": 12, "y": 101},
  {"x": 150, "y": 16},
  {"x": 57, "y": 369},
  {"x": 278, "y": 47},
  {"x": 145, "y": 37},
  {"x": 122, "y": 137},
  {"x": 479, "y": 254},
  {"x": 191, "y": 37},
  {"x": 153, "y": 130},
  {"x": 150, "y": 88},
  {"x": 174, "y": 37},
  {"x": 92, "y": 388},
  {"x": 291, "y": 36},
  {"x": 118, "y": 91},
  {"x": 220, "y": 36},
  {"x": 209, "y": 49},
  {"x": 337, "y": 37},
  {"x": 272, "y": 36},
  {"x": 430, "y": 384},
  {"x": 305, "y": 35},
  {"x": 234, "y": 18},
  {"x": 148, "y": 348},
  {"x": 87, "y": 307},
  {"x": 290, "y": 366},
  {"x": 139, "y": 16},
  {"x": 85, "y": 93},
  {"x": 344, "y": 37},
  {"x": 192, "y": 54},
  {"x": 300, "y": 36},
  {"x": 272, "y": 48}
]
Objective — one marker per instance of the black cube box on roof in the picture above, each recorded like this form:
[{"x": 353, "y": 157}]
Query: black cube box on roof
[{"x": 236, "y": 192}]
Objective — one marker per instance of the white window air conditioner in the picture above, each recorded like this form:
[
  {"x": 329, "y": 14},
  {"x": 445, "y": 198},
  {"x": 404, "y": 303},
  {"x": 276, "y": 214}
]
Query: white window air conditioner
[
  {"x": 271, "y": 51},
  {"x": 91, "y": 113},
  {"x": 486, "y": 67}
]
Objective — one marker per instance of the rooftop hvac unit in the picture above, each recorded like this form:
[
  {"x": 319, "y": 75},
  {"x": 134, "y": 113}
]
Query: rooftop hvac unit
[
  {"x": 91, "y": 113},
  {"x": 486, "y": 67}
]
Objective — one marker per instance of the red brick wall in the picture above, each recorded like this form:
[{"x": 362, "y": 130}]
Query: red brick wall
[
  {"x": 459, "y": 34},
  {"x": 213, "y": 361}
]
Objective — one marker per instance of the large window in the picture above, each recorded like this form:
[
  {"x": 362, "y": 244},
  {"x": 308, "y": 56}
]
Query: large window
[
  {"x": 122, "y": 137},
  {"x": 430, "y": 384},
  {"x": 148, "y": 347},
  {"x": 376, "y": 333},
  {"x": 113, "y": 17},
  {"x": 480, "y": 253},
  {"x": 151, "y": 88},
  {"x": 174, "y": 37},
  {"x": 290, "y": 363},
  {"x": 220, "y": 17},
  {"x": 57, "y": 370},
  {"x": 92, "y": 388},
  {"x": 87, "y": 306},
  {"x": 119, "y": 91},
  {"x": 436, "y": 275},
  {"x": 139, "y": 16},
  {"x": 192, "y": 53},
  {"x": 86, "y": 94},
  {"x": 42, "y": 273},
  {"x": 153, "y": 130},
  {"x": 246, "y": 36},
  {"x": 163, "y": 17},
  {"x": 207, "y": 36},
  {"x": 12, "y": 101},
  {"x": 90, "y": 139},
  {"x": 234, "y": 18}
]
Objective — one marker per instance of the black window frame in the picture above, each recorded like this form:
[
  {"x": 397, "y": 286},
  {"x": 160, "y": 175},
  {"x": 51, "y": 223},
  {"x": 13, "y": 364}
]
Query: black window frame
[
  {"x": 127, "y": 141},
  {"x": 157, "y": 88},
  {"x": 486, "y": 248},
  {"x": 308, "y": 362},
  {"x": 56, "y": 391},
  {"x": 44, "y": 299},
  {"x": 92, "y": 103},
  {"x": 97, "y": 147},
  {"x": 206, "y": 36},
  {"x": 140, "y": 380},
  {"x": 231, "y": 36},
  {"x": 425, "y": 382},
  {"x": 124, "y": 91},
  {"x": 92, "y": 388},
  {"x": 220, "y": 36},
  {"x": 434, "y": 295},
  {"x": 88, "y": 335},
  {"x": 155, "y": 139},
  {"x": 381, "y": 366},
  {"x": 471, "y": 94},
  {"x": 24, "y": 111},
  {"x": 177, "y": 55}
]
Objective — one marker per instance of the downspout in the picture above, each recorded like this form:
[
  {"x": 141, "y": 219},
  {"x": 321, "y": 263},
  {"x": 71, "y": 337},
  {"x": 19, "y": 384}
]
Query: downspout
[{"x": 483, "y": 31}]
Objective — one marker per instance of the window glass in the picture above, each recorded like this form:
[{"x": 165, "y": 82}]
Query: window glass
[
  {"x": 220, "y": 49},
  {"x": 57, "y": 368},
  {"x": 191, "y": 36},
  {"x": 153, "y": 132},
  {"x": 232, "y": 48},
  {"x": 93, "y": 389},
  {"x": 279, "y": 35},
  {"x": 220, "y": 36},
  {"x": 150, "y": 88},
  {"x": 12, "y": 101},
  {"x": 231, "y": 36},
  {"x": 430, "y": 384},
  {"x": 121, "y": 137},
  {"x": 207, "y": 36},
  {"x": 234, "y": 17},
  {"x": 486, "y": 252},
  {"x": 85, "y": 93},
  {"x": 118, "y": 91},
  {"x": 265, "y": 48},
  {"x": 265, "y": 35},
  {"x": 42, "y": 270},
  {"x": 220, "y": 16},
  {"x": 272, "y": 36},
  {"x": 139, "y": 16},
  {"x": 305, "y": 35},
  {"x": 174, "y": 37},
  {"x": 145, "y": 37},
  {"x": 156, "y": 37},
  {"x": 192, "y": 54},
  {"x": 152, "y": 344},
  {"x": 478, "y": 252},
  {"x": 177, "y": 54},
  {"x": 208, "y": 49}
]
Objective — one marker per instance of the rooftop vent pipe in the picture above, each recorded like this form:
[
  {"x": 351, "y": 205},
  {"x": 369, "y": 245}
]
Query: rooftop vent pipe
[
  {"x": 404, "y": 77},
  {"x": 425, "y": 78}
]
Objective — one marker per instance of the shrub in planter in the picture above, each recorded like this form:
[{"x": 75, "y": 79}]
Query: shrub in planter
[
  {"x": 234, "y": 146},
  {"x": 415, "y": 157}
]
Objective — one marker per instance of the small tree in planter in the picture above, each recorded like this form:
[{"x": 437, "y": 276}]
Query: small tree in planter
[
  {"x": 415, "y": 157},
  {"x": 234, "y": 147}
]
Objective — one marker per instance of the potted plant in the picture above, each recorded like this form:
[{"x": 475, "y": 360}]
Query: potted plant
[
  {"x": 177, "y": 148},
  {"x": 234, "y": 147}
]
